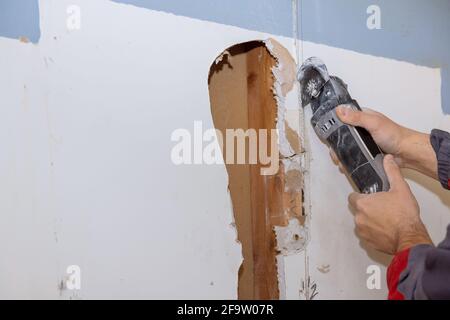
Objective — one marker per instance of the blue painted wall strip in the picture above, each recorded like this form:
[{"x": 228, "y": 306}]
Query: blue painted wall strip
[
  {"x": 272, "y": 16},
  {"x": 20, "y": 18},
  {"x": 415, "y": 31}
]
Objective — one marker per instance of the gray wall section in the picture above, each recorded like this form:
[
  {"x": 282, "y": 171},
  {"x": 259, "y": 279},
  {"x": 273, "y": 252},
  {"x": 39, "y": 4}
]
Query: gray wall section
[
  {"x": 415, "y": 31},
  {"x": 20, "y": 18}
]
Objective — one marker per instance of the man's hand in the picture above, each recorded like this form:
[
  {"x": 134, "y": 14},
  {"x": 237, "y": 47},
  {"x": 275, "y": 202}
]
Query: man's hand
[
  {"x": 387, "y": 134},
  {"x": 389, "y": 221},
  {"x": 411, "y": 149}
]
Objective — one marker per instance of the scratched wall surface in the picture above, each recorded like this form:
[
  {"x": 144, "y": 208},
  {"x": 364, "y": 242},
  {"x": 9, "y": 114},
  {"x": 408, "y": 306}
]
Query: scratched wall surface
[{"x": 85, "y": 171}]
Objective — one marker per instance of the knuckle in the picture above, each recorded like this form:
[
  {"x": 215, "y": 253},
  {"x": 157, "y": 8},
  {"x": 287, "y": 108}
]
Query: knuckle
[
  {"x": 357, "y": 202},
  {"x": 360, "y": 205},
  {"x": 360, "y": 232},
  {"x": 351, "y": 200},
  {"x": 359, "y": 221}
]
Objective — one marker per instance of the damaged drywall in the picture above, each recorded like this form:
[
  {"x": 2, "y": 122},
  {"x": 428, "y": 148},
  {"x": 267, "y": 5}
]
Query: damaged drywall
[
  {"x": 107, "y": 129},
  {"x": 277, "y": 227}
]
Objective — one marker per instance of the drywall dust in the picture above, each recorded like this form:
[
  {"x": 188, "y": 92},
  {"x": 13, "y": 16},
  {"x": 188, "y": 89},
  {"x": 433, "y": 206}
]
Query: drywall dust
[{"x": 293, "y": 138}]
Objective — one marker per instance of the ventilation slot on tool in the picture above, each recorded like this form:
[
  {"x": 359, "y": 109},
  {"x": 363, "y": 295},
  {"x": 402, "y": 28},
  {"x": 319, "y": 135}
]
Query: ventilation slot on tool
[{"x": 328, "y": 125}]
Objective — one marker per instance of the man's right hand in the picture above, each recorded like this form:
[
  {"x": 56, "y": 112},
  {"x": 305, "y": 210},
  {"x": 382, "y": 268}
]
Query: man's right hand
[
  {"x": 386, "y": 133},
  {"x": 389, "y": 221},
  {"x": 411, "y": 149}
]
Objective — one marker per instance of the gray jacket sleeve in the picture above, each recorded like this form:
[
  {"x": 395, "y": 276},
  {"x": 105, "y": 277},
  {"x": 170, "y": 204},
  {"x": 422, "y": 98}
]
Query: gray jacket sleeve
[
  {"x": 440, "y": 140},
  {"x": 427, "y": 274}
]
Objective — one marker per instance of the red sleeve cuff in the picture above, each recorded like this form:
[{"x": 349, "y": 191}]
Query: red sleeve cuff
[{"x": 398, "y": 264}]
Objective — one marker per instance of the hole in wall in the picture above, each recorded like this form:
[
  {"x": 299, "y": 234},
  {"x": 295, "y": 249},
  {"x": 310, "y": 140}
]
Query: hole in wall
[{"x": 241, "y": 89}]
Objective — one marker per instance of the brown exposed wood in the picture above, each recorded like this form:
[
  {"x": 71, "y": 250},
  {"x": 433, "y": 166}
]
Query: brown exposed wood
[
  {"x": 228, "y": 95},
  {"x": 241, "y": 97},
  {"x": 262, "y": 111}
]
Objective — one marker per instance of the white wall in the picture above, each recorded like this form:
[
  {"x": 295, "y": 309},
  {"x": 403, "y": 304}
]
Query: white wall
[{"x": 85, "y": 171}]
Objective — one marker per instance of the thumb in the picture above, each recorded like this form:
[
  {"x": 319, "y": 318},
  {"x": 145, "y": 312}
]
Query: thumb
[
  {"x": 354, "y": 117},
  {"x": 393, "y": 173}
]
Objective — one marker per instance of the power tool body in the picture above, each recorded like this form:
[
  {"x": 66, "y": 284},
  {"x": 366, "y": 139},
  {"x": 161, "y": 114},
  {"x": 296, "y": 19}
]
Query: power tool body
[{"x": 354, "y": 146}]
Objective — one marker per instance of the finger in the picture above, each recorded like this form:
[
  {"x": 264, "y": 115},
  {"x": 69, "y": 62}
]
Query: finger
[
  {"x": 358, "y": 118},
  {"x": 353, "y": 199},
  {"x": 370, "y": 111},
  {"x": 393, "y": 173},
  {"x": 359, "y": 221}
]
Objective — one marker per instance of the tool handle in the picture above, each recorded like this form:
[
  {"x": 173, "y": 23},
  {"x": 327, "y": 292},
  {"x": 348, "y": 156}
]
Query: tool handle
[{"x": 356, "y": 150}]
